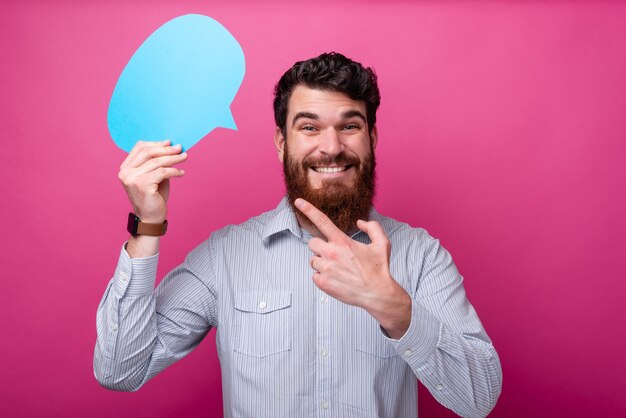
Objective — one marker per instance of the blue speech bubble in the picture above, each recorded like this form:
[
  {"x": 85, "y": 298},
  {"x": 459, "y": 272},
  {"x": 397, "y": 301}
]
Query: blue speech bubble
[{"x": 178, "y": 85}]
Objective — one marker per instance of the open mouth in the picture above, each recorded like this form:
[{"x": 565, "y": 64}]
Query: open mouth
[{"x": 325, "y": 170}]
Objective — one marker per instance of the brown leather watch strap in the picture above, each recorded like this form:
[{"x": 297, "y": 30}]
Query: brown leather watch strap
[
  {"x": 136, "y": 227},
  {"x": 155, "y": 230}
]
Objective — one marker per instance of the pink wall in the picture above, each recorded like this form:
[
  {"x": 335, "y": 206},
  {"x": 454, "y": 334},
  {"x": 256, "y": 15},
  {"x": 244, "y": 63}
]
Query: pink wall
[{"x": 502, "y": 132}]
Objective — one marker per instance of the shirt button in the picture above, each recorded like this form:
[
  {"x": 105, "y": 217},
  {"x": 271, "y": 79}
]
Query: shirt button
[
  {"x": 439, "y": 386},
  {"x": 324, "y": 299},
  {"x": 323, "y": 352},
  {"x": 324, "y": 405},
  {"x": 262, "y": 305},
  {"x": 114, "y": 327},
  {"x": 408, "y": 352},
  {"x": 124, "y": 276}
]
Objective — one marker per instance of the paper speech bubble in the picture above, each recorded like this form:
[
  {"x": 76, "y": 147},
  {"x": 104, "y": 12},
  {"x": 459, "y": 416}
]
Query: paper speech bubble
[{"x": 178, "y": 85}]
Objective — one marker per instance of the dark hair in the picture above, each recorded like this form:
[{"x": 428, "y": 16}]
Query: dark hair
[{"x": 329, "y": 71}]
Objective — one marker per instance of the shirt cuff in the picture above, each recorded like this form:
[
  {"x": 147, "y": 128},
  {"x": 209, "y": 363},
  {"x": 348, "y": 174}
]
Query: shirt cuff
[
  {"x": 135, "y": 276},
  {"x": 421, "y": 339}
]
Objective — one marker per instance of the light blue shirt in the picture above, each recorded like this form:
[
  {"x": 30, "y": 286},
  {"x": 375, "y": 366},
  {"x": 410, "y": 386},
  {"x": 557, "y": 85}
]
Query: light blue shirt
[{"x": 286, "y": 348}]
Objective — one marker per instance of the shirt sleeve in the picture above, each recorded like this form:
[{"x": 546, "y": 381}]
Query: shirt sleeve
[
  {"x": 142, "y": 330},
  {"x": 446, "y": 345}
]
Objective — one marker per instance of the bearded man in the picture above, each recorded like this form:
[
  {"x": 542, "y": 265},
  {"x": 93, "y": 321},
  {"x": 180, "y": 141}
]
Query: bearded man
[{"x": 323, "y": 306}]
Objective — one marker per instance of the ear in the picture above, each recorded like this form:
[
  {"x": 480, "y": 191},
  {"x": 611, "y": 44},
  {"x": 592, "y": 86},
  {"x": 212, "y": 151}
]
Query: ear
[
  {"x": 374, "y": 137},
  {"x": 279, "y": 143}
]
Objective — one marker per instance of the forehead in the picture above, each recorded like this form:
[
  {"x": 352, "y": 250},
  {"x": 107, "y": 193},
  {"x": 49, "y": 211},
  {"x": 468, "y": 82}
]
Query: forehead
[{"x": 324, "y": 103}]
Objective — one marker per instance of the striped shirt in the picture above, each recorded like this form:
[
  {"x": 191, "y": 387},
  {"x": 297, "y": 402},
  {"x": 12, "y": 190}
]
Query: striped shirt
[{"x": 286, "y": 348}]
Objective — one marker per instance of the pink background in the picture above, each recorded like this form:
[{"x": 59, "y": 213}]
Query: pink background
[{"x": 502, "y": 132}]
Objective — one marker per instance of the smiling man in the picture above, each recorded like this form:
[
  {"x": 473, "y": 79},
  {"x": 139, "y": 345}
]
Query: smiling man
[
  {"x": 323, "y": 306},
  {"x": 329, "y": 158}
]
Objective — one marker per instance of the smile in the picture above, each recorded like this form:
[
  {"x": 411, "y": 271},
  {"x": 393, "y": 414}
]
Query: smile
[{"x": 331, "y": 169}]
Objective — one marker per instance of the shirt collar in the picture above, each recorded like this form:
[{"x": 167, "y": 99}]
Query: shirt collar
[{"x": 283, "y": 218}]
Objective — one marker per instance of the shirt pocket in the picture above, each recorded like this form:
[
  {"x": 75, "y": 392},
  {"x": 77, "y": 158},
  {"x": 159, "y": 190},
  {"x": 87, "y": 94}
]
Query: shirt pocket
[
  {"x": 263, "y": 320},
  {"x": 370, "y": 338}
]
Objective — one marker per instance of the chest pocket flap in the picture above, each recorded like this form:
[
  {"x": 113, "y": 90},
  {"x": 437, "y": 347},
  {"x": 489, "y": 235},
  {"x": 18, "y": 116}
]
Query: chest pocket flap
[
  {"x": 262, "y": 302},
  {"x": 263, "y": 322}
]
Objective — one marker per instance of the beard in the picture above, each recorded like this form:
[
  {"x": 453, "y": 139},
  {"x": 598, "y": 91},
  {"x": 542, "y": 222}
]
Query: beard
[{"x": 343, "y": 203}]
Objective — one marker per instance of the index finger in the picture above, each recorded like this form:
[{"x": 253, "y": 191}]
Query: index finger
[
  {"x": 319, "y": 220},
  {"x": 145, "y": 151}
]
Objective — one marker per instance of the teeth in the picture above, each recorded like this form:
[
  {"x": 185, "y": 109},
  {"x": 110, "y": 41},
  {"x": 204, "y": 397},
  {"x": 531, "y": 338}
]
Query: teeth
[{"x": 329, "y": 169}]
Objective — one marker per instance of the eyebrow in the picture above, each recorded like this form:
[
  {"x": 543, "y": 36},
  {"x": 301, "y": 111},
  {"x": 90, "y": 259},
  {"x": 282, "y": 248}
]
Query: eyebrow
[
  {"x": 304, "y": 115},
  {"x": 346, "y": 115},
  {"x": 354, "y": 113}
]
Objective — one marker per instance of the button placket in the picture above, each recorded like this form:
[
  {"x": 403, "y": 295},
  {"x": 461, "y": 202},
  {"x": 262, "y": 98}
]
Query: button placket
[{"x": 324, "y": 380}]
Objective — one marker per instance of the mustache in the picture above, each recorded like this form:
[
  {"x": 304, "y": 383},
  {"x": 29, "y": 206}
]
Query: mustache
[{"x": 324, "y": 160}]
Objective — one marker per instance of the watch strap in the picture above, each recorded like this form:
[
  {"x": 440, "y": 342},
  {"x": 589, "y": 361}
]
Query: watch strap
[{"x": 136, "y": 227}]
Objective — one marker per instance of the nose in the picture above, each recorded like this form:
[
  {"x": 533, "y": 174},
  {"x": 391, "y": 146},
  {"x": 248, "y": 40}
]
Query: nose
[{"x": 330, "y": 143}]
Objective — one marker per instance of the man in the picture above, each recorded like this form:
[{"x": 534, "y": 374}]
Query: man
[{"x": 323, "y": 306}]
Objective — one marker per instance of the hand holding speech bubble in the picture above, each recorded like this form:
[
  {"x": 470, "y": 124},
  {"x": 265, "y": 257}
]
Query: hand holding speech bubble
[{"x": 178, "y": 85}]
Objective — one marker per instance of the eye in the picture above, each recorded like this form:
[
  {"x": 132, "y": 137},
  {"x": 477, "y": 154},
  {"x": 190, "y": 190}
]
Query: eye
[
  {"x": 308, "y": 128},
  {"x": 351, "y": 126}
]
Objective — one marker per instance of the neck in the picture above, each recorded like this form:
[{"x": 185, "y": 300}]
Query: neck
[
  {"x": 308, "y": 226},
  {"x": 305, "y": 224}
]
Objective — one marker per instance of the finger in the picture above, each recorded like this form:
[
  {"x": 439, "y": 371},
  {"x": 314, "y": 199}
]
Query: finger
[
  {"x": 129, "y": 174},
  {"x": 320, "y": 264},
  {"x": 312, "y": 262},
  {"x": 324, "y": 283},
  {"x": 319, "y": 220},
  {"x": 139, "y": 145},
  {"x": 163, "y": 173},
  {"x": 318, "y": 245},
  {"x": 150, "y": 150},
  {"x": 158, "y": 162},
  {"x": 317, "y": 276},
  {"x": 373, "y": 230}
]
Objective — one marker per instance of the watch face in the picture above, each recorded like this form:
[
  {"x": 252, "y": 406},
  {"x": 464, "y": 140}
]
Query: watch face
[{"x": 133, "y": 222}]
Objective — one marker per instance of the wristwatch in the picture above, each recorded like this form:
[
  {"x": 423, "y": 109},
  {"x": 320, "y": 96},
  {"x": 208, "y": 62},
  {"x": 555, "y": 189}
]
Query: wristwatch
[{"x": 136, "y": 227}]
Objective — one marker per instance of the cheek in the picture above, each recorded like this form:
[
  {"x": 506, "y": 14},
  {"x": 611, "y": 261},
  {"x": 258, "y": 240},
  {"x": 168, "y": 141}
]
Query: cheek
[
  {"x": 364, "y": 149},
  {"x": 300, "y": 145},
  {"x": 300, "y": 157},
  {"x": 304, "y": 151}
]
